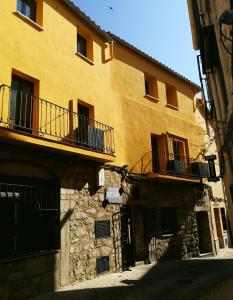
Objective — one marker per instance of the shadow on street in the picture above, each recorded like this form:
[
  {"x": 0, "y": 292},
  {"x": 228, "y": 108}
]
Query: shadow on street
[{"x": 191, "y": 279}]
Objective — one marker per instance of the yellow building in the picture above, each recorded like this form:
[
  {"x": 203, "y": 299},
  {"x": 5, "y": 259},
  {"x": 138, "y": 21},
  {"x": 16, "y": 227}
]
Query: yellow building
[{"x": 101, "y": 154}]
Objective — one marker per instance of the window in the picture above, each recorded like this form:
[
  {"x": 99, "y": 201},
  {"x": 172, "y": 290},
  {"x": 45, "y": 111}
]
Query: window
[
  {"x": 85, "y": 46},
  {"x": 171, "y": 94},
  {"x": 27, "y": 8},
  {"x": 29, "y": 216},
  {"x": 102, "y": 264},
  {"x": 177, "y": 148},
  {"x": 224, "y": 220},
  {"x": 151, "y": 86},
  {"x": 177, "y": 161},
  {"x": 168, "y": 220},
  {"x": 102, "y": 229},
  {"x": 81, "y": 45}
]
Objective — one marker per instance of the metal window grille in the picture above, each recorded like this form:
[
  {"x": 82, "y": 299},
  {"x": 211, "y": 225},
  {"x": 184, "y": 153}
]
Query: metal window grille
[
  {"x": 29, "y": 216},
  {"x": 102, "y": 264},
  {"x": 102, "y": 229}
]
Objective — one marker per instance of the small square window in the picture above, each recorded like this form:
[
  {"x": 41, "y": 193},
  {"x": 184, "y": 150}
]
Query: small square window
[
  {"x": 168, "y": 220},
  {"x": 102, "y": 264},
  {"x": 102, "y": 229},
  {"x": 81, "y": 45},
  {"x": 151, "y": 86},
  {"x": 27, "y": 8}
]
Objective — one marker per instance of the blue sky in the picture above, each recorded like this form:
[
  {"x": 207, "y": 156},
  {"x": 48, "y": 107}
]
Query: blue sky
[{"x": 158, "y": 27}]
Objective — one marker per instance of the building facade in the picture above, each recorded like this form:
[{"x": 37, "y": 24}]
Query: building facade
[
  {"x": 213, "y": 38},
  {"x": 101, "y": 153}
]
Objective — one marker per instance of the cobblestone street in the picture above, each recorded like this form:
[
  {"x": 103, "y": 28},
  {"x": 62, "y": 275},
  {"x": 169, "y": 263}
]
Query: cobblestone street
[{"x": 206, "y": 278}]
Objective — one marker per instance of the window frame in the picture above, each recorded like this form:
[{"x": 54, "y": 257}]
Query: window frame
[
  {"x": 151, "y": 87},
  {"x": 37, "y": 20},
  {"x": 23, "y": 5},
  {"x": 171, "y": 96},
  {"x": 81, "y": 42},
  {"x": 86, "y": 38}
]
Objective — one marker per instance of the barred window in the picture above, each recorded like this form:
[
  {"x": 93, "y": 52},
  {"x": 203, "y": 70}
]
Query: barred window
[{"x": 29, "y": 216}]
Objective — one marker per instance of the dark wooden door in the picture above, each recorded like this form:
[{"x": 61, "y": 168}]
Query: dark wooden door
[
  {"x": 127, "y": 244},
  {"x": 83, "y": 122},
  {"x": 21, "y": 103},
  {"x": 155, "y": 154}
]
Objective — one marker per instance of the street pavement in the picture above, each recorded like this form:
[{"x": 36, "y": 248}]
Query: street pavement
[{"x": 209, "y": 278}]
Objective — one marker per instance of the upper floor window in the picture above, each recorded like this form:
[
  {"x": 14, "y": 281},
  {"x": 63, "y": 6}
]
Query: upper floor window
[
  {"x": 81, "y": 45},
  {"x": 171, "y": 94},
  {"x": 85, "y": 46},
  {"x": 27, "y": 8},
  {"x": 31, "y": 11},
  {"x": 151, "y": 86}
]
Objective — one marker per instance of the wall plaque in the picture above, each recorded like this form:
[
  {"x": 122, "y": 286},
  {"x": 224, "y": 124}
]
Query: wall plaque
[{"x": 113, "y": 195}]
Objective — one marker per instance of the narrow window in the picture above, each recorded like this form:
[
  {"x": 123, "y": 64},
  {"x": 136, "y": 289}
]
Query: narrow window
[
  {"x": 147, "y": 83},
  {"x": 151, "y": 86},
  {"x": 171, "y": 96},
  {"x": 224, "y": 221},
  {"x": 27, "y": 8},
  {"x": 81, "y": 45},
  {"x": 102, "y": 229},
  {"x": 168, "y": 220}
]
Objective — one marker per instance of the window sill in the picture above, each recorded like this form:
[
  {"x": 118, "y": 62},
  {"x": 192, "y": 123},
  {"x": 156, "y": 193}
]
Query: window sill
[
  {"x": 29, "y": 21},
  {"x": 154, "y": 99},
  {"x": 172, "y": 106},
  {"x": 85, "y": 58}
]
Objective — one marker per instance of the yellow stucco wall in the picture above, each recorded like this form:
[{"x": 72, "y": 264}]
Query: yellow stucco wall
[{"x": 115, "y": 88}]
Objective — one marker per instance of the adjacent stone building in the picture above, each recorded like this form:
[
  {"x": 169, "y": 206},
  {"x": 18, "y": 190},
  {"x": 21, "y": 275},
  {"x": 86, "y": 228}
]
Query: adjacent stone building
[
  {"x": 80, "y": 197},
  {"x": 212, "y": 34}
]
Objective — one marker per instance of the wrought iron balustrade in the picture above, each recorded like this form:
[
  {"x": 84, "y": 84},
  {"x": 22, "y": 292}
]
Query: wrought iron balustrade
[
  {"x": 170, "y": 163},
  {"x": 35, "y": 116}
]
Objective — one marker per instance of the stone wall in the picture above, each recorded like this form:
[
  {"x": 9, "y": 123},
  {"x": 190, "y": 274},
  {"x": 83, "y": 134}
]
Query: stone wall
[
  {"x": 28, "y": 277},
  {"x": 82, "y": 203},
  {"x": 86, "y": 203}
]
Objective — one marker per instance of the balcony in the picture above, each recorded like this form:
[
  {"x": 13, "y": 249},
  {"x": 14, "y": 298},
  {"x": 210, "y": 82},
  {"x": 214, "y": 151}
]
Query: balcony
[
  {"x": 160, "y": 163},
  {"x": 29, "y": 115}
]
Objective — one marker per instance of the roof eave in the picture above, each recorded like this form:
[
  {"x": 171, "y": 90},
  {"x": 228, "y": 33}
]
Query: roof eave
[
  {"x": 196, "y": 87},
  {"x": 84, "y": 17}
]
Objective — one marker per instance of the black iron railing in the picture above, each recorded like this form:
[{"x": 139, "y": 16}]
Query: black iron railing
[
  {"x": 32, "y": 115},
  {"x": 170, "y": 163}
]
